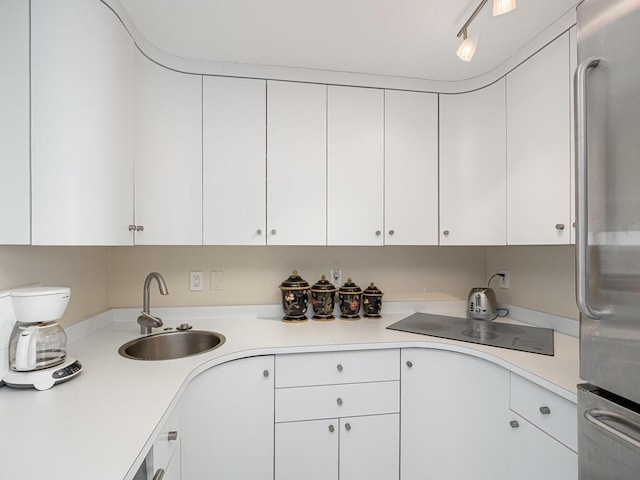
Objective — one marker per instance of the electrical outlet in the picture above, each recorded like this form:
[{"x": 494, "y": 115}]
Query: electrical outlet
[
  {"x": 335, "y": 276},
  {"x": 195, "y": 281},
  {"x": 505, "y": 281},
  {"x": 217, "y": 280}
]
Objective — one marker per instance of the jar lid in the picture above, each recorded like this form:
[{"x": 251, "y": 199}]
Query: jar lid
[
  {"x": 373, "y": 291},
  {"x": 323, "y": 285},
  {"x": 350, "y": 287},
  {"x": 294, "y": 282}
]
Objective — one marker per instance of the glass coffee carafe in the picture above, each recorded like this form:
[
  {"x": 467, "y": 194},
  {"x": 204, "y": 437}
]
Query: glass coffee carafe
[{"x": 36, "y": 345}]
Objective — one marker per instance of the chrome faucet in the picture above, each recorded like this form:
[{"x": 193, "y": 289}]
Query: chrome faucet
[{"x": 146, "y": 320}]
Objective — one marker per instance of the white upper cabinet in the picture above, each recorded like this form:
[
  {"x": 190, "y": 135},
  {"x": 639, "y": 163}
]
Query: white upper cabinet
[
  {"x": 573, "y": 65},
  {"x": 15, "y": 192},
  {"x": 355, "y": 165},
  {"x": 296, "y": 163},
  {"x": 539, "y": 148},
  {"x": 168, "y": 156},
  {"x": 473, "y": 167},
  {"x": 411, "y": 168},
  {"x": 82, "y": 83},
  {"x": 234, "y": 161}
]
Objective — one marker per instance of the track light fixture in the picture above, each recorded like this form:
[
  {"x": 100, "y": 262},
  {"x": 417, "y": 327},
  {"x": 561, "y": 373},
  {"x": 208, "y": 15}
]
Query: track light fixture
[{"x": 469, "y": 43}]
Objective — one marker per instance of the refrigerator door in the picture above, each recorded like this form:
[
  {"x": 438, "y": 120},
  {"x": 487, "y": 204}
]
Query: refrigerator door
[
  {"x": 608, "y": 437},
  {"x": 608, "y": 186}
]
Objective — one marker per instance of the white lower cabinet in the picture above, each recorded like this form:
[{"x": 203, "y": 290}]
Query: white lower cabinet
[
  {"x": 348, "y": 431},
  {"x": 228, "y": 427}
]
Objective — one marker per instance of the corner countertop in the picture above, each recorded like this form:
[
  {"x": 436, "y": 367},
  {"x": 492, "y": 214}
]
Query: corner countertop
[{"x": 101, "y": 424}]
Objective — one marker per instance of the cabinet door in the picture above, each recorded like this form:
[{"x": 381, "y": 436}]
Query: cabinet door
[
  {"x": 539, "y": 148},
  {"x": 532, "y": 454},
  {"x": 369, "y": 447},
  {"x": 454, "y": 416},
  {"x": 355, "y": 166},
  {"x": 411, "y": 168},
  {"x": 82, "y": 68},
  {"x": 473, "y": 167},
  {"x": 14, "y": 123},
  {"x": 228, "y": 422},
  {"x": 234, "y": 161},
  {"x": 168, "y": 155},
  {"x": 307, "y": 450},
  {"x": 296, "y": 164}
]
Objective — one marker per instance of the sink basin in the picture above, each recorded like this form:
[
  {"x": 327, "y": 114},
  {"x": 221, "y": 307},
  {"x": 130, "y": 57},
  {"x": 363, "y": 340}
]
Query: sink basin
[{"x": 171, "y": 345}]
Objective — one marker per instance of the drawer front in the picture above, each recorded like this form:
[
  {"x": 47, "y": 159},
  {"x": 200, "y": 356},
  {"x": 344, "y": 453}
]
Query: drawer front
[
  {"x": 553, "y": 414},
  {"x": 330, "y": 368},
  {"x": 335, "y": 401},
  {"x": 166, "y": 442}
]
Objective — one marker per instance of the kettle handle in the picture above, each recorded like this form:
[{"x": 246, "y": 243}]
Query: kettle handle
[{"x": 26, "y": 350}]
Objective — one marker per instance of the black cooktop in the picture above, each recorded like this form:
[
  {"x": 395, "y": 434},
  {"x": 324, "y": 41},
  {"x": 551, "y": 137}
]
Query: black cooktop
[{"x": 496, "y": 334}]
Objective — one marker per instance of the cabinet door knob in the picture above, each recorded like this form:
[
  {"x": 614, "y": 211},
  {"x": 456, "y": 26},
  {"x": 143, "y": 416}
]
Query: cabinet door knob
[
  {"x": 265, "y": 373},
  {"x": 132, "y": 228},
  {"x": 445, "y": 233},
  {"x": 409, "y": 363},
  {"x": 340, "y": 367},
  {"x": 159, "y": 474},
  {"x": 273, "y": 231},
  {"x": 378, "y": 232},
  {"x": 347, "y": 426},
  {"x": 559, "y": 226},
  {"x": 139, "y": 228},
  {"x": 339, "y": 401},
  {"x": 391, "y": 232},
  {"x": 514, "y": 424},
  {"x": 172, "y": 435},
  {"x": 259, "y": 232},
  {"x": 332, "y": 428},
  {"x": 545, "y": 410}
]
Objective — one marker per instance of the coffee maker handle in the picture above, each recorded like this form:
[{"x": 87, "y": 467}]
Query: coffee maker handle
[{"x": 26, "y": 350}]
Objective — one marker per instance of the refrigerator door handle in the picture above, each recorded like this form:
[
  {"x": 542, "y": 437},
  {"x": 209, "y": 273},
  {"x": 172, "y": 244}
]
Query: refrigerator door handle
[
  {"x": 598, "y": 417},
  {"x": 581, "y": 188}
]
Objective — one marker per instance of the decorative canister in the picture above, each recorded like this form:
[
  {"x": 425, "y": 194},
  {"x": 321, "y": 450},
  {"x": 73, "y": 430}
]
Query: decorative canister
[
  {"x": 350, "y": 298},
  {"x": 372, "y": 301},
  {"x": 295, "y": 298},
  {"x": 323, "y": 294}
]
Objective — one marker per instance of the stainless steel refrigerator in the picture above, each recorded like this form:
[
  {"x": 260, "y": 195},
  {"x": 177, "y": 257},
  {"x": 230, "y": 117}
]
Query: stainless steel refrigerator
[{"x": 608, "y": 238}]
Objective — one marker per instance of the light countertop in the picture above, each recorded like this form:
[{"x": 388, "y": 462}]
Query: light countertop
[{"x": 100, "y": 424}]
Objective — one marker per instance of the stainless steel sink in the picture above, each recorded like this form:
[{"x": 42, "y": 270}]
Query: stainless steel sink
[{"x": 171, "y": 345}]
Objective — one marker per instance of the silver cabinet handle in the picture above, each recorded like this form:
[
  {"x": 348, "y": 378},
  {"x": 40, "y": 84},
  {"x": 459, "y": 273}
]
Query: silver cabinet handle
[
  {"x": 392, "y": 232},
  {"x": 132, "y": 228},
  {"x": 339, "y": 401},
  {"x": 273, "y": 231},
  {"x": 347, "y": 426},
  {"x": 259, "y": 231},
  {"x": 582, "y": 238},
  {"x": 172, "y": 435},
  {"x": 514, "y": 424},
  {"x": 139, "y": 228},
  {"x": 598, "y": 417},
  {"x": 340, "y": 367},
  {"x": 409, "y": 364},
  {"x": 332, "y": 428},
  {"x": 378, "y": 232},
  {"x": 559, "y": 226},
  {"x": 265, "y": 373},
  {"x": 445, "y": 233},
  {"x": 545, "y": 410},
  {"x": 159, "y": 474}
]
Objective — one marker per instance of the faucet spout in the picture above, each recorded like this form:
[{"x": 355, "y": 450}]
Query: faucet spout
[{"x": 146, "y": 320}]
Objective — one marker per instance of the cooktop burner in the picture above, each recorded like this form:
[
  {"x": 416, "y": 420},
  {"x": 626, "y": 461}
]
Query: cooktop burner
[{"x": 496, "y": 334}]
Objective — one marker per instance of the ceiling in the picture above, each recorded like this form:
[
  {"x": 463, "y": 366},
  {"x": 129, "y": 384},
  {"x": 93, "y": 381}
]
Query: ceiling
[{"x": 406, "y": 38}]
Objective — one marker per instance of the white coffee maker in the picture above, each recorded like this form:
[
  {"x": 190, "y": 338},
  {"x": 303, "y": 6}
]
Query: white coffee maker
[{"x": 37, "y": 350}]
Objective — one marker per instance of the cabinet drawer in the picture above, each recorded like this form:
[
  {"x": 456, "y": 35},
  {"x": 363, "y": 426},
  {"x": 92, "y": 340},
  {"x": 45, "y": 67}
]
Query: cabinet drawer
[
  {"x": 334, "y": 401},
  {"x": 553, "y": 414},
  {"x": 166, "y": 442},
  {"x": 329, "y": 368}
]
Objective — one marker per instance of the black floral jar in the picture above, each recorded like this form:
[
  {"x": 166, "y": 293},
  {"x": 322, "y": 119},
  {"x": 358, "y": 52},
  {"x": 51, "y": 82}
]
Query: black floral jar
[
  {"x": 372, "y": 301},
  {"x": 323, "y": 295},
  {"x": 350, "y": 296},
  {"x": 295, "y": 298}
]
